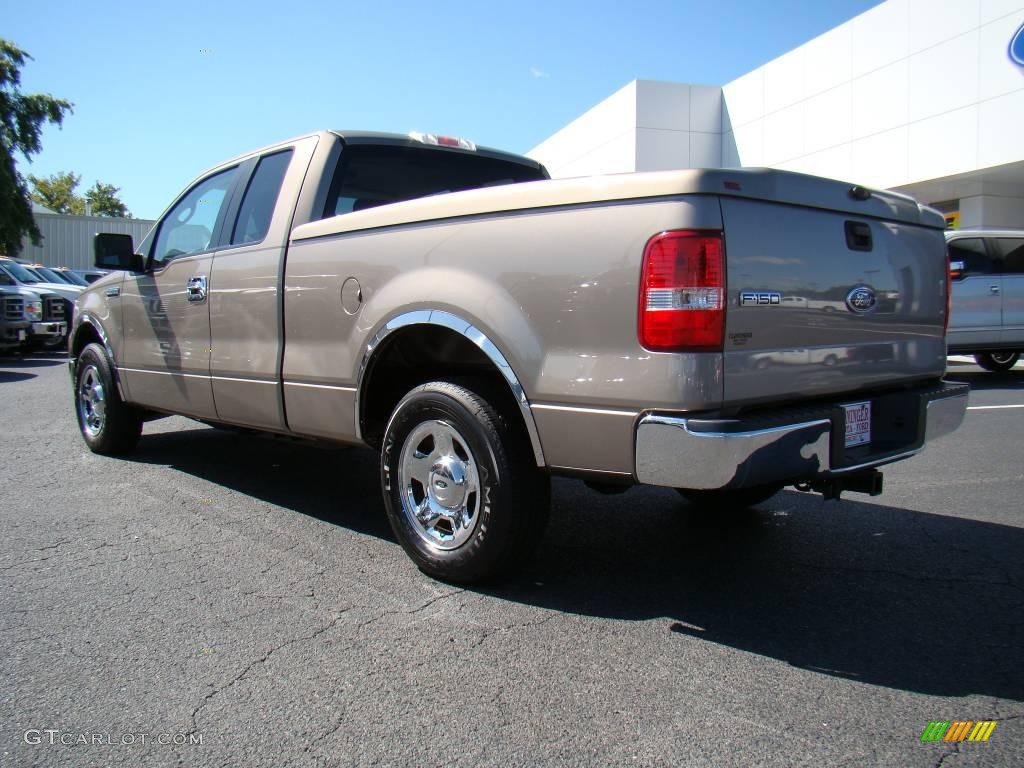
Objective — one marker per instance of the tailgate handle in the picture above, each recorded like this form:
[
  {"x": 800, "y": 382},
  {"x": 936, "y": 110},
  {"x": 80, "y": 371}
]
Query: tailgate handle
[{"x": 858, "y": 236}]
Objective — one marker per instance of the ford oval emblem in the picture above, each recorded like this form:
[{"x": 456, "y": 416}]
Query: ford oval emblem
[
  {"x": 861, "y": 300},
  {"x": 1017, "y": 47}
]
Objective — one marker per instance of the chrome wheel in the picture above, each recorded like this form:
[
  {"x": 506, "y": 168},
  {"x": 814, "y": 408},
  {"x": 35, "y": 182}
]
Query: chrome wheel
[
  {"x": 1004, "y": 358},
  {"x": 92, "y": 402},
  {"x": 439, "y": 485}
]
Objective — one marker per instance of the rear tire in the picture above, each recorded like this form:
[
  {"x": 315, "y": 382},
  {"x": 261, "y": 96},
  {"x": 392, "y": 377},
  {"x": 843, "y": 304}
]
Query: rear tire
[
  {"x": 997, "y": 362},
  {"x": 461, "y": 488},
  {"x": 108, "y": 425},
  {"x": 724, "y": 500}
]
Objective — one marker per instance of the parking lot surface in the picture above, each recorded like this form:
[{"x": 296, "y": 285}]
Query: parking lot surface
[{"x": 219, "y": 599}]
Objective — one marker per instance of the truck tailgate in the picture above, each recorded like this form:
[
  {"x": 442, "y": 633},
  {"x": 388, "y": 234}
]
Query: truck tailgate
[{"x": 827, "y": 301}]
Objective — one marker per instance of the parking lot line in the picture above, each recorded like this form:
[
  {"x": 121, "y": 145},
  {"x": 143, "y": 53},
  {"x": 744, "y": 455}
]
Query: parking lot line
[{"x": 991, "y": 407}]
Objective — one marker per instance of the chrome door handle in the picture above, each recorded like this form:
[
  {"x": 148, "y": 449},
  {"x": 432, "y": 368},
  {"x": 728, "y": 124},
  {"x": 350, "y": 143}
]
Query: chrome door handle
[
  {"x": 993, "y": 289},
  {"x": 197, "y": 288}
]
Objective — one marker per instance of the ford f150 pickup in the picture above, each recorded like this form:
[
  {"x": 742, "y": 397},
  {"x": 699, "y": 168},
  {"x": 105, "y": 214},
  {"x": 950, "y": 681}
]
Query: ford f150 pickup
[
  {"x": 484, "y": 327},
  {"x": 14, "y": 327}
]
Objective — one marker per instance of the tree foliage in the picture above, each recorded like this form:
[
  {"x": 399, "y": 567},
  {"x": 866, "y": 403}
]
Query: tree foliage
[
  {"x": 22, "y": 117},
  {"x": 103, "y": 201},
  {"x": 58, "y": 193}
]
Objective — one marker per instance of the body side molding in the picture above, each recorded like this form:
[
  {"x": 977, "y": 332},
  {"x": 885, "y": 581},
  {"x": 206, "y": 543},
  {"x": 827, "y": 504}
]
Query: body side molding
[{"x": 470, "y": 332}]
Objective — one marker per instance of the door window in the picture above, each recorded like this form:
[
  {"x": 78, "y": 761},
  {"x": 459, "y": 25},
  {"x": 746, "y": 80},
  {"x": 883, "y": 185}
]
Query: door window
[
  {"x": 971, "y": 252},
  {"x": 260, "y": 198},
  {"x": 190, "y": 225},
  {"x": 1011, "y": 251}
]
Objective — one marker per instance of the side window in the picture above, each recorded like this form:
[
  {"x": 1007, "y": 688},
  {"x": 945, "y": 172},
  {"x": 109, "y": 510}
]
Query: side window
[
  {"x": 189, "y": 226},
  {"x": 971, "y": 251},
  {"x": 260, "y": 198},
  {"x": 1011, "y": 250}
]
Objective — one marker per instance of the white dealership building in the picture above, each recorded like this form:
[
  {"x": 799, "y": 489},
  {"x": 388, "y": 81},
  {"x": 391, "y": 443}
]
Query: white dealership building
[{"x": 922, "y": 96}]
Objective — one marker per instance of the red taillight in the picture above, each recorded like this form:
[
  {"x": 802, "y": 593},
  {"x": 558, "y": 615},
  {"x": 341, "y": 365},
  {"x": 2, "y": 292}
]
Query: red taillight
[
  {"x": 951, "y": 273},
  {"x": 682, "y": 292}
]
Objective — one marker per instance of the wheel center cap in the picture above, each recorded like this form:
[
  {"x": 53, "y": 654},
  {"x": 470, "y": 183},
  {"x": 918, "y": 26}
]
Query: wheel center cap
[{"x": 448, "y": 482}]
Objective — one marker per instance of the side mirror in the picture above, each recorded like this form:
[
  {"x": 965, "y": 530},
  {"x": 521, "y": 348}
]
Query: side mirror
[
  {"x": 113, "y": 251},
  {"x": 956, "y": 270},
  {"x": 6, "y": 279}
]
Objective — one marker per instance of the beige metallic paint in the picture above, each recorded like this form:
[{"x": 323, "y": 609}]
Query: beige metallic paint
[
  {"x": 563, "y": 317},
  {"x": 548, "y": 271},
  {"x": 166, "y": 358},
  {"x": 245, "y": 312}
]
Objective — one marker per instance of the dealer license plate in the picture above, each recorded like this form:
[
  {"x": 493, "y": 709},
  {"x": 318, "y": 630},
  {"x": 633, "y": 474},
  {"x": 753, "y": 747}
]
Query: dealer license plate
[{"x": 858, "y": 424}]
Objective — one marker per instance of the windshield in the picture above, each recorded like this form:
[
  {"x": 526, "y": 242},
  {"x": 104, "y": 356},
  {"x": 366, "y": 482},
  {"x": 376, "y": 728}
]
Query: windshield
[
  {"x": 19, "y": 273},
  {"x": 50, "y": 275},
  {"x": 72, "y": 278}
]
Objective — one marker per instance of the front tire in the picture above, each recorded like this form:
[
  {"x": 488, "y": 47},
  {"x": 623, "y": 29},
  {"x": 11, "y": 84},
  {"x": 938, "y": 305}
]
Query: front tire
[
  {"x": 109, "y": 425},
  {"x": 997, "y": 362},
  {"x": 462, "y": 492},
  {"x": 725, "y": 500}
]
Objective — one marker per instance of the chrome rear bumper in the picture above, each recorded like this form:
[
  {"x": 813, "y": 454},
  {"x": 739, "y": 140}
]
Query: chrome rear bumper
[{"x": 707, "y": 453}]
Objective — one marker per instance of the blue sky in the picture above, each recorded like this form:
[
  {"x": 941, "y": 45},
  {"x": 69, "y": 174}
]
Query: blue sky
[{"x": 164, "y": 90}]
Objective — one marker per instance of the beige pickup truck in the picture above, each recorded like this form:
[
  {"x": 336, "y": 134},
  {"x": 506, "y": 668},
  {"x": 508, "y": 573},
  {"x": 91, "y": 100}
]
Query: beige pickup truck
[{"x": 484, "y": 328}]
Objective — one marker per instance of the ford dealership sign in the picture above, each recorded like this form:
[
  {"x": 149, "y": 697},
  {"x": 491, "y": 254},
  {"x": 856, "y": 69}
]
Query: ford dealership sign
[{"x": 1017, "y": 46}]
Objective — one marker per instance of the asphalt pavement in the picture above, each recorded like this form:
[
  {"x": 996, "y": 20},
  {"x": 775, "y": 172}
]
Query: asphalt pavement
[{"x": 220, "y": 599}]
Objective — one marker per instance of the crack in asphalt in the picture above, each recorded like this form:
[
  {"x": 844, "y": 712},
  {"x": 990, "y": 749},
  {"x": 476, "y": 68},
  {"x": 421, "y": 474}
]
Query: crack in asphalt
[
  {"x": 414, "y": 611},
  {"x": 261, "y": 660},
  {"x": 509, "y": 627},
  {"x": 955, "y": 751}
]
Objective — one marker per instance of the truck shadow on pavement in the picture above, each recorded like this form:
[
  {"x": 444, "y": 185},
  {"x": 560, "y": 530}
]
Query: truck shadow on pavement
[
  {"x": 17, "y": 367},
  {"x": 855, "y": 589},
  {"x": 29, "y": 362},
  {"x": 881, "y": 595},
  {"x": 337, "y": 485},
  {"x": 1010, "y": 380}
]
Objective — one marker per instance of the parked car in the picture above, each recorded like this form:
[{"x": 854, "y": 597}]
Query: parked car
[
  {"x": 71, "y": 276},
  {"x": 484, "y": 327},
  {"x": 91, "y": 275},
  {"x": 14, "y": 326},
  {"x": 987, "y": 317},
  {"x": 24, "y": 276},
  {"x": 57, "y": 277},
  {"x": 47, "y": 325}
]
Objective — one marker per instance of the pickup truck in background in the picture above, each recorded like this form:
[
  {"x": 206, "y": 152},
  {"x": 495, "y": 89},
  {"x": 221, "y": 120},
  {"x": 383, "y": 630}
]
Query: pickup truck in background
[
  {"x": 14, "y": 326},
  {"x": 484, "y": 327},
  {"x": 987, "y": 301},
  {"x": 43, "y": 320}
]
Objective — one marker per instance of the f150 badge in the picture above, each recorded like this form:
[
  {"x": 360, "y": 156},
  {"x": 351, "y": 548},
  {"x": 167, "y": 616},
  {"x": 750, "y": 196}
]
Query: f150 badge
[{"x": 760, "y": 298}]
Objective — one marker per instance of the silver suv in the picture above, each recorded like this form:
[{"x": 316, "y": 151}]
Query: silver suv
[{"x": 987, "y": 318}]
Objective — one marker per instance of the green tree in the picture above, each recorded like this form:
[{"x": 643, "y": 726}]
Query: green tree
[
  {"x": 22, "y": 117},
  {"x": 57, "y": 192},
  {"x": 103, "y": 200}
]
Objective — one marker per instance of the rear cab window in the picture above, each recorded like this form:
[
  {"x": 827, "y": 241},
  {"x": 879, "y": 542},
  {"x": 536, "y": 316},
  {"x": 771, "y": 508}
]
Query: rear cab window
[
  {"x": 260, "y": 199},
  {"x": 369, "y": 175}
]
